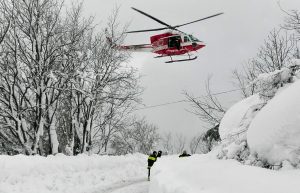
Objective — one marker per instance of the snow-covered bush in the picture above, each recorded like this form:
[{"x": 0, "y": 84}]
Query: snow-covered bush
[
  {"x": 234, "y": 150},
  {"x": 274, "y": 134},
  {"x": 267, "y": 84},
  {"x": 237, "y": 119},
  {"x": 263, "y": 129},
  {"x": 234, "y": 126}
]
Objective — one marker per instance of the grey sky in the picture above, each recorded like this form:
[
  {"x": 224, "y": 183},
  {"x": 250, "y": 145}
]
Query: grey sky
[{"x": 231, "y": 39}]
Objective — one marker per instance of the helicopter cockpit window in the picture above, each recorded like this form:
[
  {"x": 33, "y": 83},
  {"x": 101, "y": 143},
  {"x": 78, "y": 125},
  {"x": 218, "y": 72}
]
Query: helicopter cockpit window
[
  {"x": 186, "y": 39},
  {"x": 194, "y": 39}
]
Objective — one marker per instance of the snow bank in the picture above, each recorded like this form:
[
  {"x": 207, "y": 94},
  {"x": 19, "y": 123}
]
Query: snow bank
[
  {"x": 200, "y": 173},
  {"x": 68, "y": 174},
  {"x": 274, "y": 134},
  {"x": 237, "y": 119}
]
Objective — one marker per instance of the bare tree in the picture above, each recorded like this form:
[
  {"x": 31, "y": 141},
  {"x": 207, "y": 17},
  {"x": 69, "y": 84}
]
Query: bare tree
[
  {"x": 244, "y": 78},
  {"x": 111, "y": 119},
  {"x": 180, "y": 143},
  {"x": 4, "y": 28},
  {"x": 210, "y": 111},
  {"x": 167, "y": 143},
  {"x": 141, "y": 137},
  {"x": 198, "y": 145},
  {"x": 145, "y": 135},
  {"x": 292, "y": 22},
  {"x": 277, "y": 51},
  {"x": 208, "y": 108},
  {"x": 173, "y": 143}
]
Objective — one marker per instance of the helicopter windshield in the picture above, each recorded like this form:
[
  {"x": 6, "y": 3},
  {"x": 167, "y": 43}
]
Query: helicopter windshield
[{"x": 194, "y": 39}]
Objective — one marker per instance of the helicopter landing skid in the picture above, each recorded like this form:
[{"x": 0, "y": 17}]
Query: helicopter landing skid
[{"x": 182, "y": 60}]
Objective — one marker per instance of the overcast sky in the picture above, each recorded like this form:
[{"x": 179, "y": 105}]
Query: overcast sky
[{"x": 231, "y": 39}]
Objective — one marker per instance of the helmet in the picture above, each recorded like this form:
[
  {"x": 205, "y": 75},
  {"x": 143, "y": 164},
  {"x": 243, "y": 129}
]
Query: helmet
[
  {"x": 154, "y": 152},
  {"x": 159, "y": 153},
  {"x": 184, "y": 151}
]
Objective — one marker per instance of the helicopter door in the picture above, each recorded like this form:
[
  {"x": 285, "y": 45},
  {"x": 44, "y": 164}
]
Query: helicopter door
[{"x": 174, "y": 42}]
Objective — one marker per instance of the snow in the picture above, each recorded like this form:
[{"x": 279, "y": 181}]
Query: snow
[
  {"x": 65, "y": 174},
  {"x": 267, "y": 122},
  {"x": 267, "y": 84},
  {"x": 270, "y": 128},
  {"x": 127, "y": 174},
  {"x": 139, "y": 186},
  {"x": 274, "y": 133},
  {"x": 234, "y": 149},
  {"x": 237, "y": 119},
  {"x": 276, "y": 76},
  {"x": 205, "y": 174}
]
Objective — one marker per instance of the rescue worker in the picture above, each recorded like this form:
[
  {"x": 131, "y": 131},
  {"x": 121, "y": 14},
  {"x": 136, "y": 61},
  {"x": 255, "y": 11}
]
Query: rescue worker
[
  {"x": 184, "y": 154},
  {"x": 177, "y": 44},
  {"x": 159, "y": 153},
  {"x": 151, "y": 159}
]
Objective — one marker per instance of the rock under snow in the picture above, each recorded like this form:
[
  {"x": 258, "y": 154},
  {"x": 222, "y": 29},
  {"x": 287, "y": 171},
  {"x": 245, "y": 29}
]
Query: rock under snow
[{"x": 274, "y": 133}]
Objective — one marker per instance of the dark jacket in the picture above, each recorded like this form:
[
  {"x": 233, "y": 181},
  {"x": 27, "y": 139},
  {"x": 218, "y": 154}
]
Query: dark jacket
[
  {"x": 151, "y": 159},
  {"x": 159, "y": 154},
  {"x": 185, "y": 155}
]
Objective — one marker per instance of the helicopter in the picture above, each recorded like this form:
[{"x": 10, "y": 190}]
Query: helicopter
[{"x": 172, "y": 42}]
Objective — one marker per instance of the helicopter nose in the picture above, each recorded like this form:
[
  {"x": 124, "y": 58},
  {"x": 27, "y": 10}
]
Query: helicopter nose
[{"x": 197, "y": 46}]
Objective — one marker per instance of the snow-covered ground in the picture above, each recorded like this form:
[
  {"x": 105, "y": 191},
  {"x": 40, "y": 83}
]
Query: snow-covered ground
[
  {"x": 269, "y": 125},
  {"x": 67, "y": 174},
  {"x": 127, "y": 174},
  {"x": 206, "y": 174}
]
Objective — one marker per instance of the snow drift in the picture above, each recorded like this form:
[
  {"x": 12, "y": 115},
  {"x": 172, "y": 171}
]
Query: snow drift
[
  {"x": 202, "y": 173},
  {"x": 68, "y": 174},
  {"x": 274, "y": 134}
]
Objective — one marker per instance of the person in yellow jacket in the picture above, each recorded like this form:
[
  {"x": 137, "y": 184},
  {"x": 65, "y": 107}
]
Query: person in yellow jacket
[{"x": 151, "y": 159}]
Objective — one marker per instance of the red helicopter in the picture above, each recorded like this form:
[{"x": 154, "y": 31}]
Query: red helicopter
[{"x": 171, "y": 43}]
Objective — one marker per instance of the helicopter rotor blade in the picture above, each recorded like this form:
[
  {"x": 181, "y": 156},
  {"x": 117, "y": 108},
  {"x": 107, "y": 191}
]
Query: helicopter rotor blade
[
  {"x": 147, "y": 30},
  {"x": 155, "y": 19},
  {"x": 165, "y": 24},
  {"x": 176, "y": 26}
]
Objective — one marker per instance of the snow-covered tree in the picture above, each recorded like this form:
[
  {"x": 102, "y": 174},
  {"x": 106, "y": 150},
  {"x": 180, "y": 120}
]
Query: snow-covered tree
[
  {"x": 140, "y": 137},
  {"x": 208, "y": 108},
  {"x": 276, "y": 53},
  {"x": 59, "y": 79},
  {"x": 30, "y": 69},
  {"x": 292, "y": 22},
  {"x": 167, "y": 143}
]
